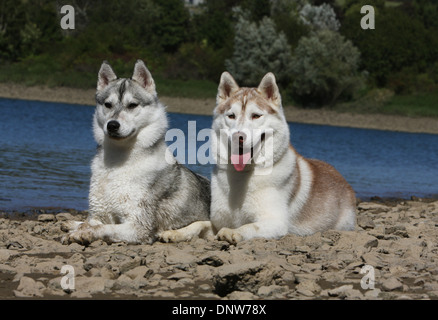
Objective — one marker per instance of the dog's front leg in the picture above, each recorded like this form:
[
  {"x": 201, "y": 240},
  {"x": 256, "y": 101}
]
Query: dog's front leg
[
  {"x": 269, "y": 227},
  {"x": 269, "y": 215},
  {"x": 200, "y": 229},
  {"x": 86, "y": 233},
  {"x": 72, "y": 225}
]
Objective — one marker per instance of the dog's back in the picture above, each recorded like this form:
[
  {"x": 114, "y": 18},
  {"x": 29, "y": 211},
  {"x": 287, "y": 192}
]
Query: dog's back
[
  {"x": 320, "y": 199},
  {"x": 182, "y": 197}
]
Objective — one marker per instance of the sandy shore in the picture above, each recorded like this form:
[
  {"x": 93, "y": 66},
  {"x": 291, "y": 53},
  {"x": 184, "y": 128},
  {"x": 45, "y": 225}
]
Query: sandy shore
[
  {"x": 205, "y": 107},
  {"x": 398, "y": 240}
]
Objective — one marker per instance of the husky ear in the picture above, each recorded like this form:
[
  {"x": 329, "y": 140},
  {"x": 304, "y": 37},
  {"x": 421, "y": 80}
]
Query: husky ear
[
  {"x": 143, "y": 76},
  {"x": 269, "y": 89},
  {"x": 227, "y": 86},
  {"x": 106, "y": 75}
]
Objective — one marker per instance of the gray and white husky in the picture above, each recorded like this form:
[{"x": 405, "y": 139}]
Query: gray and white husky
[{"x": 135, "y": 191}]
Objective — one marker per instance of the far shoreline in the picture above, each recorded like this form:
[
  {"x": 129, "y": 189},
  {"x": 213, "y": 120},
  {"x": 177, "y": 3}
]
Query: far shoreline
[{"x": 205, "y": 107}]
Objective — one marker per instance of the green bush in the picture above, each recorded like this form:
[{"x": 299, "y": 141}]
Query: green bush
[
  {"x": 398, "y": 41},
  {"x": 408, "y": 81},
  {"x": 285, "y": 14},
  {"x": 259, "y": 49},
  {"x": 27, "y": 28},
  {"x": 195, "y": 61},
  {"x": 320, "y": 17},
  {"x": 324, "y": 69}
]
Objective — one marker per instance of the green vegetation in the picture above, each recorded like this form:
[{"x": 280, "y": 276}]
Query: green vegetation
[
  {"x": 324, "y": 68},
  {"x": 392, "y": 69},
  {"x": 258, "y": 48},
  {"x": 384, "y": 101},
  {"x": 421, "y": 104}
]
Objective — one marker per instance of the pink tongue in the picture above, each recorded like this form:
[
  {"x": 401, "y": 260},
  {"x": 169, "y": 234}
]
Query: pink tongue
[{"x": 239, "y": 161}]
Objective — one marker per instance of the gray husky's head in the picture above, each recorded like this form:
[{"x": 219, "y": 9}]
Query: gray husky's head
[{"x": 128, "y": 109}]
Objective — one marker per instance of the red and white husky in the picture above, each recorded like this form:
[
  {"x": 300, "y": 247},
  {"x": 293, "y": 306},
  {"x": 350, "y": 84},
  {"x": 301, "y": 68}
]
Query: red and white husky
[{"x": 250, "y": 199}]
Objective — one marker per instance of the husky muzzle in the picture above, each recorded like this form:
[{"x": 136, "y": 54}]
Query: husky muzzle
[
  {"x": 242, "y": 151},
  {"x": 113, "y": 127}
]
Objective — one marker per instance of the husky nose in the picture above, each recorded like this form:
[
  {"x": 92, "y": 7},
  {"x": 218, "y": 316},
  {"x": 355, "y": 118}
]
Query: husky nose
[
  {"x": 113, "y": 126},
  {"x": 239, "y": 137}
]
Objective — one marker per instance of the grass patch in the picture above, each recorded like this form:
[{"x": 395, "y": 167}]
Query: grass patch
[
  {"x": 383, "y": 101},
  {"x": 415, "y": 105},
  {"x": 392, "y": 4},
  {"x": 197, "y": 89},
  {"x": 46, "y": 73}
]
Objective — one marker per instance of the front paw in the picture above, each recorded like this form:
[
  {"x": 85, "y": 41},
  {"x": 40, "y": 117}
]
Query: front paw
[
  {"x": 71, "y": 225},
  {"x": 171, "y": 236},
  {"x": 81, "y": 236},
  {"x": 231, "y": 235}
]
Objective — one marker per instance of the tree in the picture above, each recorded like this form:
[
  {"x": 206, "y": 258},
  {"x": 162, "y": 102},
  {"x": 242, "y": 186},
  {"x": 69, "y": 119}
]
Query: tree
[
  {"x": 320, "y": 17},
  {"x": 324, "y": 67},
  {"x": 285, "y": 13},
  {"x": 172, "y": 28},
  {"x": 399, "y": 41},
  {"x": 214, "y": 25},
  {"x": 258, "y": 49},
  {"x": 257, "y": 9},
  {"x": 26, "y": 28}
]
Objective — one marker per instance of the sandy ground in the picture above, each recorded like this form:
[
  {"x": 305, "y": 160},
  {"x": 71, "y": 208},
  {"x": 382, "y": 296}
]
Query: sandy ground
[
  {"x": 205, "y": 107},
  {"x": 398, "y": 240}
]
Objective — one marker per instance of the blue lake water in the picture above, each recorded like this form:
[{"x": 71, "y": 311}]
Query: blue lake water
[{"x": 46, "y": 150}]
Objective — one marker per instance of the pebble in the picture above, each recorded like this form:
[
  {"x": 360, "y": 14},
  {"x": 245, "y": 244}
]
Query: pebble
[
  {"x": 241, "y": 295},
  {"x": 64, "y": 216},
  {"x": 308, "y": 288},
  {"x": 365, "y": 222},
  {"x": 176, "y": 256},
  {"x": 28, "y": 288},
  {"x": 392, "y": 284},
  {"x": 372, "y": 243},
  {"x": 179, "y": 275},
  {"x": 46, "y": 217},
  {"x": 4, "y": 255},
  {"x": 345, "y": 292}
]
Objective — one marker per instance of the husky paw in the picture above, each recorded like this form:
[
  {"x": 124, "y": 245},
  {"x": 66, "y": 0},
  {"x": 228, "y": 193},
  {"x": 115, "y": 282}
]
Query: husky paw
[
  {"x": 82, "y": 236},
  {"x": 230, "y": 235},
  {"x": 68, "y": 226},
  {"x": 171, "y": 236}
]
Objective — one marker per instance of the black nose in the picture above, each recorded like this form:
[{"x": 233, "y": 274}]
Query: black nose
[{"x": 113, "y": 126}]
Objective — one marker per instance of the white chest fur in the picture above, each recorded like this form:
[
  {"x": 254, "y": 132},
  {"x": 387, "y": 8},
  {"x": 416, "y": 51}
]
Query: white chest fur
[
  {"x": 120, "y": 182},
  {"x": 244, "y": 197}
]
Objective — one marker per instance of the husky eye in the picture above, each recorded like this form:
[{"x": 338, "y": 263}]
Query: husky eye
[
  {"x": 108, "y": 105},
  {"x": 231, "y": 116},
  {"x": 132, "y": 105},
  {"x": 255, "y": 116}
]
